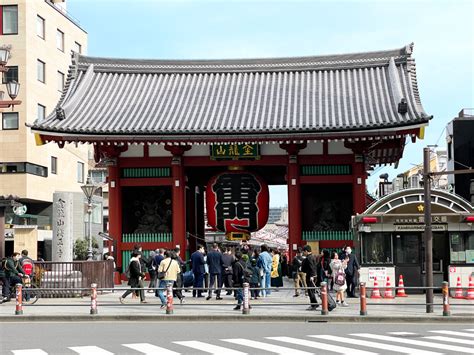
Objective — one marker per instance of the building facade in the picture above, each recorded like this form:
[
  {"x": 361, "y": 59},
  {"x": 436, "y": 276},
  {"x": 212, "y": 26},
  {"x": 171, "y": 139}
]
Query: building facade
[
  {"x": 165, "y": 128},
  {"x": 43, "y": 37}
]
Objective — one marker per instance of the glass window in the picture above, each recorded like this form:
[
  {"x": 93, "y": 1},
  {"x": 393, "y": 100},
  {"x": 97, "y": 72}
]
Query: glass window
[
  {"x": 40, "y": 26},
  {"x": 54, "y": 165},
  {"x": 41, "y": 112},
  {"x": 40, "y": 70},
  {"x": 10, "y": 20},
  {"x": 60, "y": 40},
  {"x": 36, "y": 170},
  {"x": 60, "y": 81},
  {"x": 10, "y": 75},
  {"x": 407, "y": 249},
  {"x": 80, "y": 172},
  {"x": 376, "y": 248},
  {"x": 461, "y": 247},
  {"x": 77, "y": 48},
  {"x": 9, "y": 120}
]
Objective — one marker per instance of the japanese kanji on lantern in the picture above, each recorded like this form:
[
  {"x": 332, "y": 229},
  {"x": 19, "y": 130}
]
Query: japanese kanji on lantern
[{"x": 237, "y": 203}]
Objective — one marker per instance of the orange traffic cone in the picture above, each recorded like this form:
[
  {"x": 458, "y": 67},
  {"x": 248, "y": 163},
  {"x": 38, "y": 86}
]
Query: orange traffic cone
[
  {"x": 388, "y": 289},
  {"x": 401, "y": 288},
  {"x": 375, "y": 291},
  {"x": 470, "y": 290},
  {"x": 458, "y": 293}
]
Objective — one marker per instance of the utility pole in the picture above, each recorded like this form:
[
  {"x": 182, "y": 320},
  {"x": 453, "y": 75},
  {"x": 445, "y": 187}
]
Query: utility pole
[{"x": 428, "y": 236}]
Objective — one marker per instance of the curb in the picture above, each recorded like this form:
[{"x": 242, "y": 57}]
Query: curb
[{"x": 236, "y": 318}]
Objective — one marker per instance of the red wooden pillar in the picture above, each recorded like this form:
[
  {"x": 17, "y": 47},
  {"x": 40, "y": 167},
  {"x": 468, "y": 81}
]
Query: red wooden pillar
[
  {"x": 115, "y": 211},
  {"x": 294, "y": 198},
  {"x": 178, "y": 197},
  {"x": 358, "y": 187}
]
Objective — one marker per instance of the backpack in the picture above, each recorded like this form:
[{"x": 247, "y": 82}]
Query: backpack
[
  {"x": 340, "y": 278},
  {"x": 27, "y": 266},
  {"x": 247, "y": 272}
]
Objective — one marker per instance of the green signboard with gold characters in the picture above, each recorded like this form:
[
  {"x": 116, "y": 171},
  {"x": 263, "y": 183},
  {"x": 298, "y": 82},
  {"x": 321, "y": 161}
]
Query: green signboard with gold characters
[{"x": 235, "y": 152}]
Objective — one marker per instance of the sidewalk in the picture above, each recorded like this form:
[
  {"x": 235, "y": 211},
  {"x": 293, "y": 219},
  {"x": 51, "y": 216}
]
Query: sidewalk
[{"x": 279, "y": 306}]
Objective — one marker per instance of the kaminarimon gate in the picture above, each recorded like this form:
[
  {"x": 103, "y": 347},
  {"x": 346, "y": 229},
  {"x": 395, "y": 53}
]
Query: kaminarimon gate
[{"x": 164, "y": 128}]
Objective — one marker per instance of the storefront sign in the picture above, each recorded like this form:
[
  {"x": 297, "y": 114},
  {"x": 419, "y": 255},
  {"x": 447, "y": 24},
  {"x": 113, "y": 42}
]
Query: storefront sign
[
  {"x": 235, "y": 152},
  {"x": 377, "y": 272},
  {"x": 419, "y": 227}
]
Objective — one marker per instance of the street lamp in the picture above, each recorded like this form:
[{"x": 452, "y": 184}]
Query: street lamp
[
  {"x": 12, "y": 86},
  {"x": 89, "y": 190}
]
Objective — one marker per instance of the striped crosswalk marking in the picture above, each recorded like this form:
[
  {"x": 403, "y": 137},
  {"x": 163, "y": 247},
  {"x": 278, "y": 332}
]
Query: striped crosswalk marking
[
  {"x": 29, "y": 352},
  {"x": 451, "y": 340},
  {"x": 401, "y": 333},
  {"x": 415, "y": 342},
  {"x": 90, "y": 350},
  {"x": 209, "y": 348},
  {"x": 450, "y": 332},
  {"x": 150, "y": 349},
  {"x": 469, "y": 330},
  {"x": 321, "y": 346},
  {"x": 266, "y": 346},
  {"x": 371, "y": 344}
]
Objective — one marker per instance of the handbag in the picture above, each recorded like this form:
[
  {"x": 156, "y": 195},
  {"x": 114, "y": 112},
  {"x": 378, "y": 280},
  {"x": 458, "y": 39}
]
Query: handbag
[{"x": 162, "y": 274}]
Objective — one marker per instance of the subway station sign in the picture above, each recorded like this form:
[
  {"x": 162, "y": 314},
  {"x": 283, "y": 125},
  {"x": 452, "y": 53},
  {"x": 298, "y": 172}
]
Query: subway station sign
[{"x": 235, "y": 152}]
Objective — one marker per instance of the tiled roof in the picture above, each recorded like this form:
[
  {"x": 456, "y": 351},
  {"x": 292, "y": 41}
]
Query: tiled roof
[{"x": 249, "y": 97}]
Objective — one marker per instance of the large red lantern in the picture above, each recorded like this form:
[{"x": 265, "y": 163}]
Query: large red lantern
[{"x": 237, "y": 203}]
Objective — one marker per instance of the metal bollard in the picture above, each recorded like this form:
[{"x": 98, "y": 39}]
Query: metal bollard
[
  {"x": 169, "y": 298},
  {"x": 93, "y": 298},
  {"x": 446, "y": 311},
  {"x": 363, "y": 299},
  {"x": 245, "y": 303},
  {"x": 324, "y": 299},
  {"x": 19, "y": 299}
]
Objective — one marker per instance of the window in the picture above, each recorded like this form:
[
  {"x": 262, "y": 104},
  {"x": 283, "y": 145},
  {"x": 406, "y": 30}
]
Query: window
[
  {"x": 54, "y": 165},
  {"x": 60, "y": 81},
  {"x": 80, "y": 172},
  {"x": 40, "y": 71},
  {"x": 22, "y": 167},
  {"x": 60, "y": 40},
  {"x": 41, "y": 112},
  {"x": 462, "y": 247},
  {"x": 77, "y": 48},
  {"x": 9, "y": 20},
  {"x": 10, "y": 75},
  {"x": 407, "y": 249},
  {"x": 9, "y": 120},
  {"x": 376, "y": 248},
  {"x": 40, "y": 26}
]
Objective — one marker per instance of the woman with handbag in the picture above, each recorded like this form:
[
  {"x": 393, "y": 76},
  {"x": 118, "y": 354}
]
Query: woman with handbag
[
  {"x": 339, "y": 277},
  {"x": 136, "y": 278},
  {"x": 168, "y": 271}
]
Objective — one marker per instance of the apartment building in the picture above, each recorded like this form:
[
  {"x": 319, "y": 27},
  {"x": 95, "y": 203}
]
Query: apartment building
[{"x": 42, "y": 36}]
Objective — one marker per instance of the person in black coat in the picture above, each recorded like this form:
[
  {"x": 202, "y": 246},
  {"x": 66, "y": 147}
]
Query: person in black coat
[
  {"x": 198, "y": 262},
  {"x": 310, "y": 268},
  {"x": 214, "y": 260},
  {"x": 352, "y": 272},
  {"x": 238, "y": 278},
  {"x": 137, "y": 275},
  {"x": 227, "y": 261}
]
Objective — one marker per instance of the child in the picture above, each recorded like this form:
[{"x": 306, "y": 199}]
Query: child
[{"x": 254, "y": 279}]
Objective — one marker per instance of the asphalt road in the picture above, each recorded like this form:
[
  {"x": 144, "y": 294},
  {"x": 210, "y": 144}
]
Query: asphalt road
[{"x": 101, "y": 338}]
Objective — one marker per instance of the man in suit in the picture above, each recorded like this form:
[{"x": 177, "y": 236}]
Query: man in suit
[
  {"x": 352, "y": 272},
  {"x": 198, "y": 262},
  {"x": 214, "y": 260}
]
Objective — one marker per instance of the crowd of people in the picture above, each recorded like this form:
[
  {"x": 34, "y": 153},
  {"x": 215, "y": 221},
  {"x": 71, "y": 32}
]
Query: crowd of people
[{"x": 227, "y": 269}]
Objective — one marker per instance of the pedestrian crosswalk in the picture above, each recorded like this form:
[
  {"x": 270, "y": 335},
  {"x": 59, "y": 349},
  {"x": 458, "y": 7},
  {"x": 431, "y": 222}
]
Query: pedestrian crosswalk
[{"x": 431, "y": 342}]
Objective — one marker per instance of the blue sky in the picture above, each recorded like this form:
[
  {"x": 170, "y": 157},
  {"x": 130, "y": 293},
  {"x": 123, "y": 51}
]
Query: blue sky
[{"x": 442, "y": 30}]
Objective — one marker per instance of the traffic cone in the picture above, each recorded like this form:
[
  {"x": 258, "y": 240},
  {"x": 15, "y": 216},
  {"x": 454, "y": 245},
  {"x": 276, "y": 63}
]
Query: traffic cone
[
  {"x": 470, "y": 290},
  {"x": 388, "y": 289},
  {"x": 375, "y": 291},
  {"x": 401, "y": 288},
  {"x": 458, "y": 293}
]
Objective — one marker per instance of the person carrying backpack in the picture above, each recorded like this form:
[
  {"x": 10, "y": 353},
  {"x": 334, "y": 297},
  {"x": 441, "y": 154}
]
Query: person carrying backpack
[
  {"x": 241, "y": 274},
  {"x": 339, "y": 276},
  {"x": 28, "y": 266}
]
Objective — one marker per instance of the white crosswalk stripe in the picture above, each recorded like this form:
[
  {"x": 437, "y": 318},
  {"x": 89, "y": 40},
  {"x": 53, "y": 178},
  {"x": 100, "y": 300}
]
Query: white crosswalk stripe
[
  {"x": 401, "y": 333},
  {"x": 29, "y": 352},
  {"x": 150, "y": 349},
  {"x": 451, "y": 340},
  {"x": 469, "y": 330},
  {"x": 321, "y": 346},
  {"x": 266, "y": 346},
  {"x": 371, "y": 344},
  {"x": 450, "y": 332},
  {"x": 209, "y": 348},
  {"x": 90, "y": 350},
  {"x": 415, "y": 342}
]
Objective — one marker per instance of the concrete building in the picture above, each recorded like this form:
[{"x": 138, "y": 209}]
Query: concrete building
[{"x": 42, "y": 36}]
